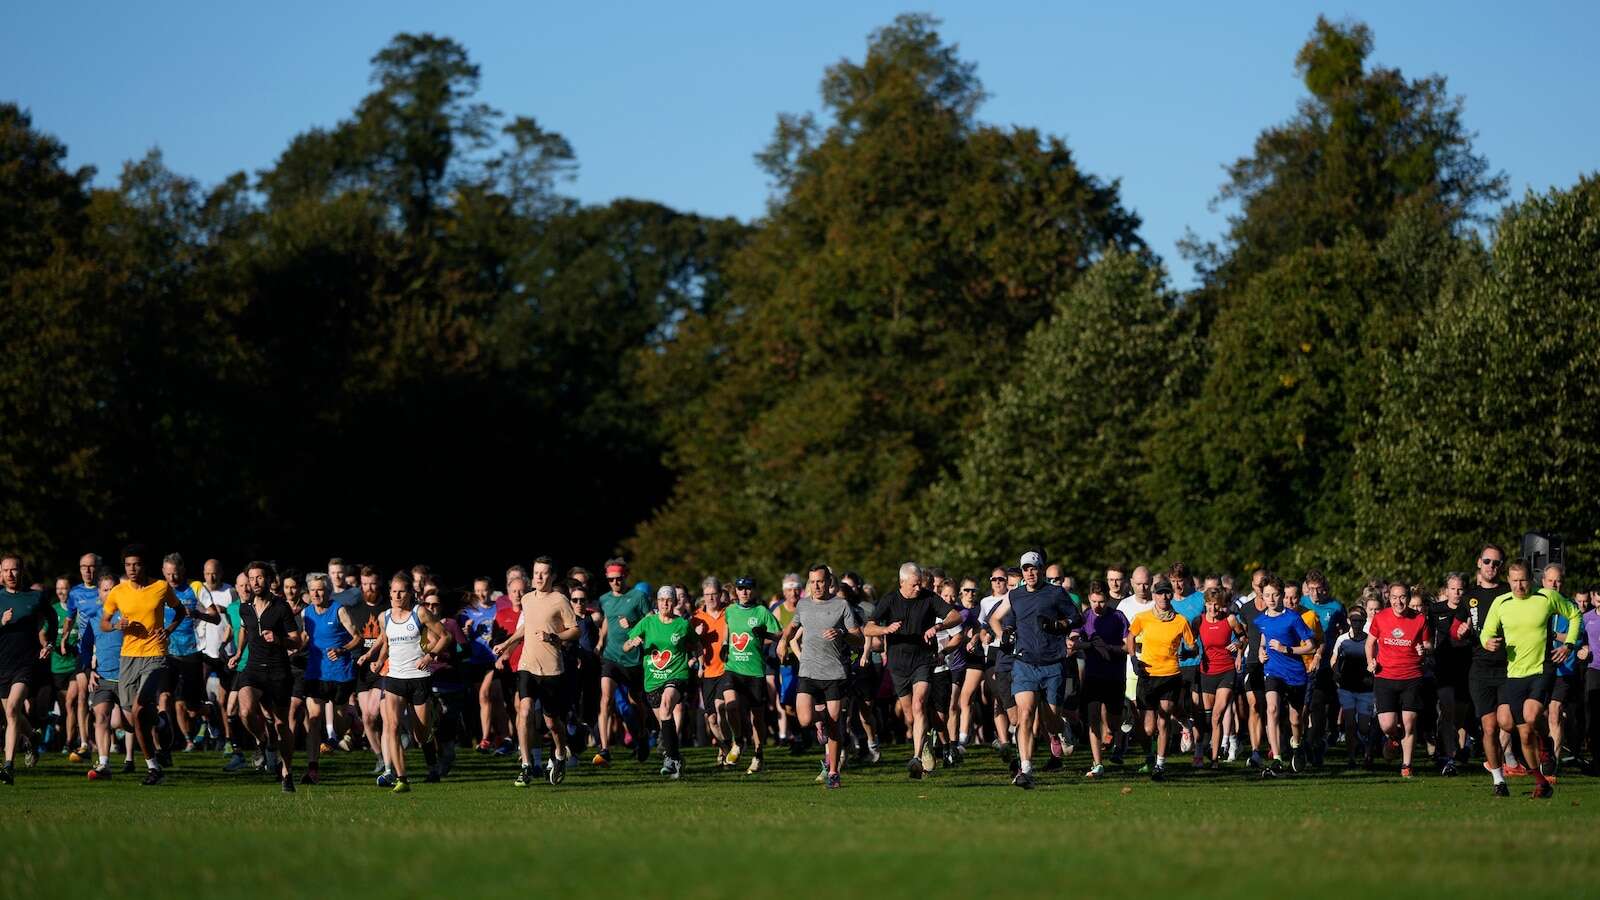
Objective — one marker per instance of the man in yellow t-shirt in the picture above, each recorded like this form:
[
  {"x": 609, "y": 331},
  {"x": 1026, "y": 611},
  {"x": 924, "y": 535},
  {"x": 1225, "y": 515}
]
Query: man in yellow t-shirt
[
  {"x": 1161, "y": 633},
  {"x": 140, "y": 599}
]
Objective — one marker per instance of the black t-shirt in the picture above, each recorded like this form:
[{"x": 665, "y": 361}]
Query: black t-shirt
[
  {"x": 279, "y": 619},
  {"x": 915, "y": 616},
  {"x": 1479, "y": 601},
  {"x": 19, "y": 638},
  {"x": 367, "y": 621},
  {"x": 1248, "y": 615},
  {"x": 1449, "y": 655}
]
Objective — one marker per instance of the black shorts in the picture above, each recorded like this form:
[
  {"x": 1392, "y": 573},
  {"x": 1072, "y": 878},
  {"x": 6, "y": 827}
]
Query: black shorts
[
  {"x": 1191, "y": 678},
  {"x": 939, "y": 685},
  {"x": 1515, "y": 692},
  {"x": 1485, "y": 690},
  {"x": 1295, "y": 694},
  {"x": 1210, "y": 684},
  {"x": 1105, "y": 691},
  {"x": 415, "y": 691},
  {"x": 62, "y": 681},
  {"x": 983, "y": 660},
  {"x": 711, "y": 691},
  {"x": 472, "y": 675},
  {"x": 186, "y": 679},
  {"x": 549, "y": 691},
  {"x": 864, "y": 681},
  {"x": 218, "y": 667},
  {"x": 1255, "y": 679},
  {"x": 749, "y": 690},
  {"x": 1566, "y": 688},
  {"x": 273, "y": 688},
  {"x": 1004, "y": 699},
  {"x": 907, "y": 669},
  {"x": 653, "y": 698},
  {"x": 367, "y": 680},
  {"x": 297, "y": 690},
  {"x": 631, "y": 677},
  {"x": 335, "y": 692},
  {"x": 1392, "y": 695},
  {"x": 1155, "y": 688},
  {"x": 822, "y": 689}
]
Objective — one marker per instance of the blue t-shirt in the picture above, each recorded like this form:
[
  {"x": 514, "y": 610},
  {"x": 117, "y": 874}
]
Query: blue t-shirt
[
  {"x": 107, "y": 647},
  {"x": 477, "y": 626},
  {"x": 1193, "y": 608},
  {"x": 1332, "y": 618},
  {"x": 1558, "y": 632},
  {"x": 1035, "y": 646},
  {"x": 348, "y": 597},
  {"x": 181, "y": 641},
  {"x": 1288, "y": 629},
  {"x": 84, "y": 600},
  {"x": 325, "y": 632}
]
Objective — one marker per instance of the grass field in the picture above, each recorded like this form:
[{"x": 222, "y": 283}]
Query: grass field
[{"x": 963, "y": 831}]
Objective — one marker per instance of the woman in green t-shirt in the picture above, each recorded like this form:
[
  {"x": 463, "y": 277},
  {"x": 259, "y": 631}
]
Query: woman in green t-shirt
[{"x": 667, "y": 643}]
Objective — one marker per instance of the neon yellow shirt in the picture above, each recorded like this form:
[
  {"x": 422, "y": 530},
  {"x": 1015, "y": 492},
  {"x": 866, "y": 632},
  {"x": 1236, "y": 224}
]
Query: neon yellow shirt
[{"x": 1525, "y": 625}]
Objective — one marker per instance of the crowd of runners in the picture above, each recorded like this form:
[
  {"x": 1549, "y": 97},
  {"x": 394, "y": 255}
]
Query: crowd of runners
[{"x": 277, "y": 668}]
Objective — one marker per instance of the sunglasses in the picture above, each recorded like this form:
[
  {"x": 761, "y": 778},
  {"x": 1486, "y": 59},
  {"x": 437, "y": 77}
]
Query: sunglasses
[
  {"x": 1053, "y": 580},
  {"x": 1491, "y": 562},
  {"x": 969, "y": 590},
  {"x": 996, "y": 579}
]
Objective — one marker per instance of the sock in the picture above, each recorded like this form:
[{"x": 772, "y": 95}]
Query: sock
[
  {"x": 1498, "y": 773},
  {"x": 151, "y": 765},
  {"x": 872, "y": 745},
  {"x": 1027, "y": 767},
  {"x": 669, "y": 740},
  {"x": 105, "y": 762},
  {"x": 962, "y": 739},
  {"x": 1161, "y": 760}
]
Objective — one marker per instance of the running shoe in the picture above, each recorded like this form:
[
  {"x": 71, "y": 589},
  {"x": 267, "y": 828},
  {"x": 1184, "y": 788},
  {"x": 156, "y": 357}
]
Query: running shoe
[
  {"x": 1502, "y": 790},
  {"x": 288, "y": 783},
  {"x": 558, "y": 771},
  {"x": 1023, "y": 780},
  {"x": 387, "y": 779},
  {"x": 75, "y": 756},
  {"x": 666, "y": 765},
  {"x": 1405, "y": 772},
  {"x": 325, "y": 748},
  {"x": 1515, "y": 771},
  {"x": 914, "y": 768},
  {"x": 1267, "y": 772},
  {"x": 1297, "y": 759},
  {"x": 1055, "y": 745},
  {"x": 1255, "y": 759},
  {"x": 154, "y": 777},
  {"x": 524, "y": 777},
  {"x": 1277, "y": 765},
  {"x": 8, "y": 775},
  {"x": 641, "y": 751},
  {"x": 30, "y": 756},
  {"x": 674, "y": 769},
  {"x": 128, "y": 767},
  {"x": 508, "y": 747},
  {"x": 834, "y": 781},
  {"x": 722, "y": 758},
  {"x": 961, "y": 753},
  {"x": 433, "y": 775},
  {"x": 926, "y": 760},
  {"x": 100, "y": 773},
  {"x": 733, "y": 754},
  {"x": 1158, "y": 773},
  {"x": 310, "y": 776},
  {"x": 1544, "y": 790},
  {"x": 874, "y": 755},
  {"x": 755, "y": 765},
  {"x": 484, "y": 746},
  {"x": 1098, "y": 771},
  {"x": 164, "y": 757},
  {"x": 1145, "y": 769},
  {"x": 822, "y": 776},
  {"x": 402, "y": 786},
  {"x": 1008, "y": 752},
  {"x": 447, "y": 759},
  {"x": 346, "y": 743},
  {"x": 602, "y": 759}
]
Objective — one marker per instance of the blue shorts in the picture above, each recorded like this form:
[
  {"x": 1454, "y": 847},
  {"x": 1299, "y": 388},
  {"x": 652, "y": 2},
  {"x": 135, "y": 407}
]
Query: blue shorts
[
  {"x": 1046, "y": 679},
  {"x": 787, "y": 684},
  {"x": 1361, "y": 704}
]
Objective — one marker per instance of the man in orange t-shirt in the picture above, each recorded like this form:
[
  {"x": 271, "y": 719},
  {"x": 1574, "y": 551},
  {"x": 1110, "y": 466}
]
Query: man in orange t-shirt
[
  {"x": 710, "y": 623},
  {"x": 144, "y": 647}
]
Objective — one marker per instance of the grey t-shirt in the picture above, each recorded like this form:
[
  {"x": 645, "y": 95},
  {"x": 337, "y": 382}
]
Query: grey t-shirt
[{"x": 820, "y": 659}]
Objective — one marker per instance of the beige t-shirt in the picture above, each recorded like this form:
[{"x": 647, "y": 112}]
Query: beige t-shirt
[{"x": 550, "y": 611}]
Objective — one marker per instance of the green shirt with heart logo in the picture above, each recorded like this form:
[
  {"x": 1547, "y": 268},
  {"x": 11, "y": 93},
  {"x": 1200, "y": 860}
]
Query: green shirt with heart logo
[
  {"x": 748, "y": 626},
  {"x": 665, "y": 656}
]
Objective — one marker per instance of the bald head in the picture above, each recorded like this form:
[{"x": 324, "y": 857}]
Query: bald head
[{"x": 1141, "y": 583}]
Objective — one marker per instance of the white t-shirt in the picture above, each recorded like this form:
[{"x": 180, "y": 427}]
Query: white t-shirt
[
  {"x": 985, "y": 610},
  {"x": 207, "y": 635},
  {"x": 1131, "y": 606}
]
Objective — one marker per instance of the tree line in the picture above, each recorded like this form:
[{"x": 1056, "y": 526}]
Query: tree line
[{"x": 944, "y": 340}]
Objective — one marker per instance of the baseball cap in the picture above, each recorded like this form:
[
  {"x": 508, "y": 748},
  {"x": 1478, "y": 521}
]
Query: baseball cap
[
  {"x": 1032, "y": 558},
  {"x": 1162, "y": 587},
  {"x": 744, "y": 581}
]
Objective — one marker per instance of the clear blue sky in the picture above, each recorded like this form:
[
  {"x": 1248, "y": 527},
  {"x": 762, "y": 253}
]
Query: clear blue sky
[{"x": 670, "y": 101}]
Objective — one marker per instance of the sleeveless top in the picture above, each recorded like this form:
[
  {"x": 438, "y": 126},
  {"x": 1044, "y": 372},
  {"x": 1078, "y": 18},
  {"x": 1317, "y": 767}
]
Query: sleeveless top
[
  {"x": 325, "y": 632},
  {"x": 405, "y": 645}
]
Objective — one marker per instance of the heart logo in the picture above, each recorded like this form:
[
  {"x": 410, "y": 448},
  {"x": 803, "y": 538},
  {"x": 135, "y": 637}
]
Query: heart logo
[
  {"x": 661, "y": 660},
  {"x": 740, "y": 641}
]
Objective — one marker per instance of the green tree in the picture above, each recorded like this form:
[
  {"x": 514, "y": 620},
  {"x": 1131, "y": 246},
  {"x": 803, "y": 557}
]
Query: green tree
[
  {"x": 1491, "y": 426},
  {"x": 905, "y": 246},
  {"x": 1055, "y": 458}
]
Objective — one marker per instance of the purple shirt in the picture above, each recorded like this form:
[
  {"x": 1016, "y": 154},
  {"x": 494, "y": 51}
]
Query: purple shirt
[
  {"x": 1110, "y": 630},
  {"x": 1591, "y": 630}
]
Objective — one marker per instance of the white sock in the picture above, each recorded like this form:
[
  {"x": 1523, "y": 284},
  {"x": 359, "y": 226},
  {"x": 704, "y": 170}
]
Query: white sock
[
  {"x": 151, "y": 765},
  {"x": 962, "y": 739},
  {"x": 1027, "y": 767},
  {"x": 1498, "y": 773},
  {"x": 1161, "y": 760},
  {"x": 105, "y": 762}
]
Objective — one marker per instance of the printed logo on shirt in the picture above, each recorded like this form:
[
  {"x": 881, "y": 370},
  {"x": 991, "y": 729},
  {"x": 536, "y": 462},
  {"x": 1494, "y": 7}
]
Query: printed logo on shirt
[
  {"x": 1397, "y": 633},
  {"x": 740, "y": 641},
  {"x": 661, "y": 660}
]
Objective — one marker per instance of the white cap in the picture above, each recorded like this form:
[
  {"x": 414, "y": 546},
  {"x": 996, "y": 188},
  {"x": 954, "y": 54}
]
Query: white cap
[
  {"x": 1032, "y": 558},
  {"x": 666, "y": 592}
]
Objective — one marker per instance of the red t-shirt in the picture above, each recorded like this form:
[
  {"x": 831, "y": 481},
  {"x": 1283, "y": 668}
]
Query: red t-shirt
[
  {"x": 1215, "y": 637},
  {"x": 506, "y": 618},
  {"x": 1398, "y": 638}
]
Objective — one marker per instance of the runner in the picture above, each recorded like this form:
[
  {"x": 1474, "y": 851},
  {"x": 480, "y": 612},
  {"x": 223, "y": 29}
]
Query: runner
[
  {"x": 976, "y": 670},
  {"x": 547, "y": 624},
  {"x": 908, "y": 620},
  {"x": 211, "y": 637},
  {"x": 1562, "y": 682},
  {"x": 269, "y": 630},
  {"x": 1252, "y": 680},
  {"x": 1284, "y": 637},
  {"x": 105, "y": 663},
  {"x": 24, "y": 641},
  {"x": 710, "y": 625},
  {"x": 403, "y": 654},
  {"x": 826, "y": 627},
  {"x": 1219, "y": 632},
  {"x": 1487, "y": 673},
  {"x": 144, "y": 649},
  {"x": 1045, "y": 618},
  {"x": 1162, "y": 636},
  {"x": 668, "y": 642},
  {"x": 1452, "y": 660},
  {"x": 64, "y": 662},
  {"x": 331, "y": 637},
  {"x": 507, "y": 619},
  {"x": 477, "y": 623},
  {"x": 84, "y": 601},
  {"x": 1396, "y": 642},
  {"x": 997, "y": 680},
  {"x": 1322, "y": 706},
  {"x": 186, "y": 673},
  {"x": 1104, "y": 642},
  {"x": 619, "y": 667},
  {"x": 750, "y": 627},
  {"x": 1356, "y": 704},
  {"x": 366, "y": 623},
  {"x": 1519, "y": 623},
  {"x": 1590, "y": 654}
]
